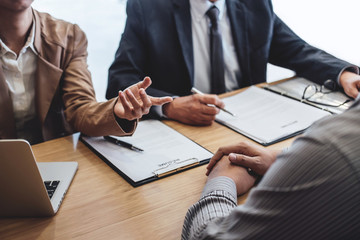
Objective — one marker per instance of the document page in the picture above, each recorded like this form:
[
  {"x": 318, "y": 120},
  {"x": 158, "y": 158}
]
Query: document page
[
  {"x": 267, "y": 117},
  {"x": 164, "y": 150}
]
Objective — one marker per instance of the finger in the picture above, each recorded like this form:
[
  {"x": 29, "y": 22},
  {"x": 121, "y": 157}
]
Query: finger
[
  {"x": 145, "y": 99},
  {"x": 200, "y": 106},
  {"x": 125, "y": 103},
  {"x": 160, "y": 101},
  {"x": 199, "y": 119},
  {"x": 144, "y": 83},
  {"x": 209, "y": 110},
  {"x": 135, "y": 103},
  {"x": 137, "y": 107},
  {"x": 245, "y": 148},
  {"x": 358, "y": 88},
  {"x": 217, "y": 156},
  {"x": 352, "y": 92},
  {"x": 206, "y": 118},
  {"x": 245, "y": 161},
  {"x": 355, "y": 88},
  {"x": 236, "y": 148},
  {"x": 355, "y": 94},
  {"x": 211, "y": 99}
]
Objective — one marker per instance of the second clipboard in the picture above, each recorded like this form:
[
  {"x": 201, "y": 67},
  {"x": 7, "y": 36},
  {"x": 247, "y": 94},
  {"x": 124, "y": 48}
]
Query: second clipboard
[{"x": 166, "y": 152}]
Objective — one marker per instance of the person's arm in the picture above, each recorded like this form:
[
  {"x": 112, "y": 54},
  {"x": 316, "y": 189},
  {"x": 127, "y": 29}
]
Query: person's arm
[
  {"x": 290, "y": 51},
  {"x": 131, "y": 58},
  {"x": 117, "y": 116},
  {"x": 308, "y": 193},
  {"x": 224, "y": 184}
]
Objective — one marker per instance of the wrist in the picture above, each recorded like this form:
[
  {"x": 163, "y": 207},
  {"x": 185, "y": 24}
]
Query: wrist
[
  {"x": 274, "y": 153},
  {"x": 254, "y": 175},
  {"x": 165, "y": 109}
]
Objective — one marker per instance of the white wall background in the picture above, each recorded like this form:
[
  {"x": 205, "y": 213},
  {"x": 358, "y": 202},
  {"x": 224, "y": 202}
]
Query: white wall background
[{"x": 332, "y": 25}]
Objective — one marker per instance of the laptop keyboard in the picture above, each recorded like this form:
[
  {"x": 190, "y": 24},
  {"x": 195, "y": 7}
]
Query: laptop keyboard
[{"x": 51, "y": 187}]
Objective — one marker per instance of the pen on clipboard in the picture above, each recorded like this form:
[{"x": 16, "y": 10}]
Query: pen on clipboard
[
  {"x": 122, "y": 143},
  {"x": 194, "y": 90}
]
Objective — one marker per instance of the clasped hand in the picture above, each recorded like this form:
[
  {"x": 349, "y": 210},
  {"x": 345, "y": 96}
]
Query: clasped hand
[
  {"x": 133, "y": 102},
  {"x": 233, "y": 160}
]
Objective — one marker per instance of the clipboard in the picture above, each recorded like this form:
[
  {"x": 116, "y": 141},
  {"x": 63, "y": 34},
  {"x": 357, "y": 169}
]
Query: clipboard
[
  {"x": 267, "y": 117},
  {"x": 166, "y": 152}
]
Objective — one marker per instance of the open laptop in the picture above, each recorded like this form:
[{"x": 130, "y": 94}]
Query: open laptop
[{"x": 22, "y": 181}]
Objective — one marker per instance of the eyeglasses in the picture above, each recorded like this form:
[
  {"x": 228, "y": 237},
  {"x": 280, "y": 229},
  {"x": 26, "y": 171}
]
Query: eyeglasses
[{"x": 318, "y": 95}]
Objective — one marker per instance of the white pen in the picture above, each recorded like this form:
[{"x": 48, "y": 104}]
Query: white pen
[{"x": 194, "y": 90}]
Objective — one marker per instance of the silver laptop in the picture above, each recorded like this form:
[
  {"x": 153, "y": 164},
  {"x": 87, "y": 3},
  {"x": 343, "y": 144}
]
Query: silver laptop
[{"x": 28, "y": 188}]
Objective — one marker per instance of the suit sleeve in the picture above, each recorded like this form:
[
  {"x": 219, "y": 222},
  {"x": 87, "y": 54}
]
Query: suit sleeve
[
  {"x": 131, "y": 59},
  {"x": 82, "y": 110},
  {"x": 290, "y": 51}
]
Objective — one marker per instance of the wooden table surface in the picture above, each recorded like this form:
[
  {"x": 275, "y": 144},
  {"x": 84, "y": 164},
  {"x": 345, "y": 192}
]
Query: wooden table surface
[{"x": 100, "y": 204}]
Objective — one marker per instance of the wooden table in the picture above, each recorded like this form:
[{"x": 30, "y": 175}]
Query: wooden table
[{"x": 100, "y": 204}]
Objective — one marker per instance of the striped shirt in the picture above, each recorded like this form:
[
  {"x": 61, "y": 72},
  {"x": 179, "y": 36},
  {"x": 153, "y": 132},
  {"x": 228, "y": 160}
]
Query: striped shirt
[{"x": 312, "y": 191}]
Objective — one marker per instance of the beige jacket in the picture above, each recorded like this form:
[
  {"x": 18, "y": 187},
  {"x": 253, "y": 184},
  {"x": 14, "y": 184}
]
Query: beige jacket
[{"x": 64, "y": 94}]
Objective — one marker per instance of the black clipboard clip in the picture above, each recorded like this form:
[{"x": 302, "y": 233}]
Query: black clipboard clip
[{"x": 173, "y": 166}]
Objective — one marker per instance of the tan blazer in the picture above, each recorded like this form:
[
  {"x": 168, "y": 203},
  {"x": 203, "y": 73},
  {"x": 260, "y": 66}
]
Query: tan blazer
[{"x": 64, "y": 94}]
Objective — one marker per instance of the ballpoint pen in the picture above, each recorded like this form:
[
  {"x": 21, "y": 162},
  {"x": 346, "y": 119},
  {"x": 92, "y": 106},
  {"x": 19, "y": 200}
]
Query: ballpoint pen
[
  {"x": 122, "y": 143},
  {"x": 194, "y": 90}
]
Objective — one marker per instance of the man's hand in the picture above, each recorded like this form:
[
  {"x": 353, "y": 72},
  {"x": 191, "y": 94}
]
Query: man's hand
[
  {"x": 194, "y": 109},
  {"x": 351, "y": 83},
  {"x": 133, "y": 102},
  {"x": 246, "y": 154},
  {"x": 239, "y": 175}
]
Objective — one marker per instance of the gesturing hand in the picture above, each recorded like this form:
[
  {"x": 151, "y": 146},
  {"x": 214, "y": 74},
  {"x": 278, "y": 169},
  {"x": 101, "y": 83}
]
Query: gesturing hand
[
  {"x": 133, "y": 102},
  {"x": 246, "y": 154},
  {"x": 194, "y": 109}
]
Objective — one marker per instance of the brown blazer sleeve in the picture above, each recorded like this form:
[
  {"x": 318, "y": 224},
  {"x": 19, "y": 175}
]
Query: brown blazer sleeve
[{"x": 82, "y": 110}]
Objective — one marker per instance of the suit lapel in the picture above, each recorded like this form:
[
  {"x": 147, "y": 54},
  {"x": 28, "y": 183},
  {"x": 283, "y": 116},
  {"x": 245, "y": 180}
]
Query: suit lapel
[
  {"x": 238, "y": 20},
  {"x": 47, "y": 82},
  {"x": 7, "y": 121},
  {"x": 183, "y": 26},
  {"x": 47, "y": 75}
]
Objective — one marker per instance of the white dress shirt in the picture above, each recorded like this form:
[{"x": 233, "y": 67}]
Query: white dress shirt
[
  {"x": 19, "y": 71},
  {"x": 201, "y": 45}
]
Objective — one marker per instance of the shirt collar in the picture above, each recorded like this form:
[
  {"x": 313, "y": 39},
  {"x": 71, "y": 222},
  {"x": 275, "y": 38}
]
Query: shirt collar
[
  {"x": 200, "y": 7},
  {"x": 28, "y": 44},
  {"x": 31, "y": 38}
]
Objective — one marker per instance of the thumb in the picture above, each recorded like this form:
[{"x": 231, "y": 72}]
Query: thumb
[{"x": 243, "y": 160}]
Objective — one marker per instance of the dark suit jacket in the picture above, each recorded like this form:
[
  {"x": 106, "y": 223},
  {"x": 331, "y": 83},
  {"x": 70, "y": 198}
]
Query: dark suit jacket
[{"x": 157, "y": 42}]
